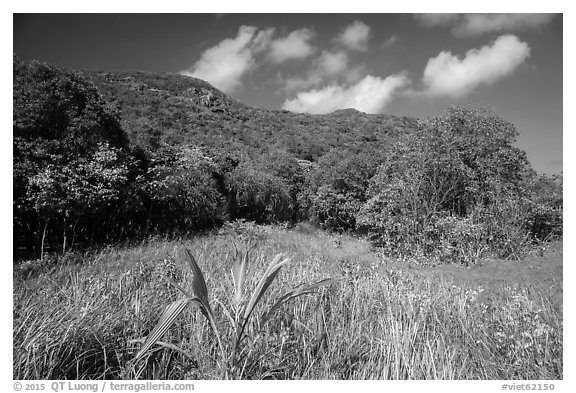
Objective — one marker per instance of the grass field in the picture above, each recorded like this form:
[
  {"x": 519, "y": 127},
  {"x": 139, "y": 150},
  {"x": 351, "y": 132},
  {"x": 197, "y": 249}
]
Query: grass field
[{"x": 84, "y": 316}]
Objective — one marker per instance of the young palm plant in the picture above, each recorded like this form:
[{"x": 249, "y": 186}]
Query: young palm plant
[{"x": 243, "y": 306}]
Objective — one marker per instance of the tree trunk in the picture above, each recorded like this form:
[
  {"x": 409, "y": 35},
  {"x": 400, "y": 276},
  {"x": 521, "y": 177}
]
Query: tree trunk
[
  {"x": 64, "y": 237},
  {"x": 43, "y": 238},
  {"x": 74, "y": 233}
]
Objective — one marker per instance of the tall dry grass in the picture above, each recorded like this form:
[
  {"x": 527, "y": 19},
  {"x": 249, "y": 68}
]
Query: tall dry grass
[{"x": 87, "y": 316}]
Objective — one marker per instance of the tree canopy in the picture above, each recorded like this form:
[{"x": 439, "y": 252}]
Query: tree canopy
[{"x": 104, "y": 157}]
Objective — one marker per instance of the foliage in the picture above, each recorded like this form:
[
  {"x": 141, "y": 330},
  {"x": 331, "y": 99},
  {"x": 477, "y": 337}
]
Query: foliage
[
  {"x": 168, "y": 154},
  {"x": 176, "y": 109},
  {"x": 233, "y": 358},
  {"x": 457, "y": 169},
  {"x": 108, "y": 156},
  {"x": 83, "y": 189},
  {"x": 257, "y": 195},
  {"x": 336, "y": 189},
  {"x": 58, "y": 105},
  {"x": 71, "y": 165},
  {"x": 288, "y": 169},
  {"x": 544, "y": 218},
  {"x": 79, "y": 319},
  {"x": 181, "y": 190}
]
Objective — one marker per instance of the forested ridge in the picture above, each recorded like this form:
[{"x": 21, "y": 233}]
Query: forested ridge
[
  {"x": 102, "y": 157},
  {"x": 177, "y": 110}
]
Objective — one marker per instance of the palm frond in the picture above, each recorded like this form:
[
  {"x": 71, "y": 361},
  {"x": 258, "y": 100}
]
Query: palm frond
[{"x": 167, "y": 319}]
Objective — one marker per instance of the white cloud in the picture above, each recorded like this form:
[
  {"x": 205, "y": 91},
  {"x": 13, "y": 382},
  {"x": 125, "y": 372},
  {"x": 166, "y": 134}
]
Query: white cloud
[
  {"x": 262, "y": 40},
  {"x": 332, "y": 63},
  {"x": 478, "y": 24},
  {"x": 355, "y": 36},
  {"x": 370, "y": 95},
  {"x": 328, "y": 67},
  {"x": 295, "y": 45},
  {"x": 448, "y": 75},
  {"x": 224, "y": 64}
]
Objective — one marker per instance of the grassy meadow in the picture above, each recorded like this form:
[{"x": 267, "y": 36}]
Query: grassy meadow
[{"x": 85, "y": 315}]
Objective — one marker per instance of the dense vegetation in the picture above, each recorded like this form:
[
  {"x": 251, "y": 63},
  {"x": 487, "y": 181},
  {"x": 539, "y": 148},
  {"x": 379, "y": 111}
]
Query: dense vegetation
[
  {"x": 103, "y": 157},
  {"x": 85, "y": 315}
]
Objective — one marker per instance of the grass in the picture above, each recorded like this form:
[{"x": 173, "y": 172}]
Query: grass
[{"x": 86, "y": 316}]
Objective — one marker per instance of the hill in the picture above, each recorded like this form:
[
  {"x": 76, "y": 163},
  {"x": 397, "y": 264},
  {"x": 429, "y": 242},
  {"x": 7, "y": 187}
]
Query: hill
[
  {"x": 106, "y": 156},
  {"x": 176, "y": 109}
]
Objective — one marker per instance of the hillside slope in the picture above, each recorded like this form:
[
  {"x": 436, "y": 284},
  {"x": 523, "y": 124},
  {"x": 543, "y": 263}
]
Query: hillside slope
[
  {"x": 177, "y": 109},
  {"x": 101, "y": 157},
  {"x": 170, "y": 153}
]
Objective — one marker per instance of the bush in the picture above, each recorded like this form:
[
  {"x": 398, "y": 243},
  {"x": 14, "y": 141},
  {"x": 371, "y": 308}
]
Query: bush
[
  {"x": 456, "y": 183},
  {"x": 257, "y": 195},
  {"x": 544, "y": 217},
  {"x": 335, "y": 191},
  {"x": 182, "y": 192}
]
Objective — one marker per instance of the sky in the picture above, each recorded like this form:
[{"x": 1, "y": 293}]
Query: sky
[{"x": 400, "y": 64}]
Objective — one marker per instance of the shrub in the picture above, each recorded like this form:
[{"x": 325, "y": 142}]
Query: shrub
[
  {"x": 257, "y": 195},
  {"x": 457, "y": 180},
  {"x": 335, "y": 191},
  {"x": 544, "y": 218},
  {"x": 183, "y": 194}
]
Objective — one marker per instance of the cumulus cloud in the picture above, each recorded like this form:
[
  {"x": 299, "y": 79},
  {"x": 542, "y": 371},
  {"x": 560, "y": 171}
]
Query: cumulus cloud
[
  {"x": 295, "y": 45},
  {"x": 333, "y": 63},
  {"x": 262, "y": 40},
  {"x": 477, "y": 24},
  {"x": 329, "y": 66},
  {"x": 371, "y": 94},
  {"x": 448, "y": 75},
  {"x": 355, "y": 36},
  {"x": 224, "y": 64}
]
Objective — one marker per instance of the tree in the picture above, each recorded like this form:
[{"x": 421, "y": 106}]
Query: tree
[
  {"x": 62, "y": 106},
  {"x": 87, "y": 189},
  {"x": 182, "y": 190},
  {"x": 70, "y": 153},
  {"x": 258, "y": 195},
  {"x": 462, "y": 165},
  {"x": 336, "y": 189},
  {"x": 285, "y": 167},
  {"x": 544, "y": 219}
]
